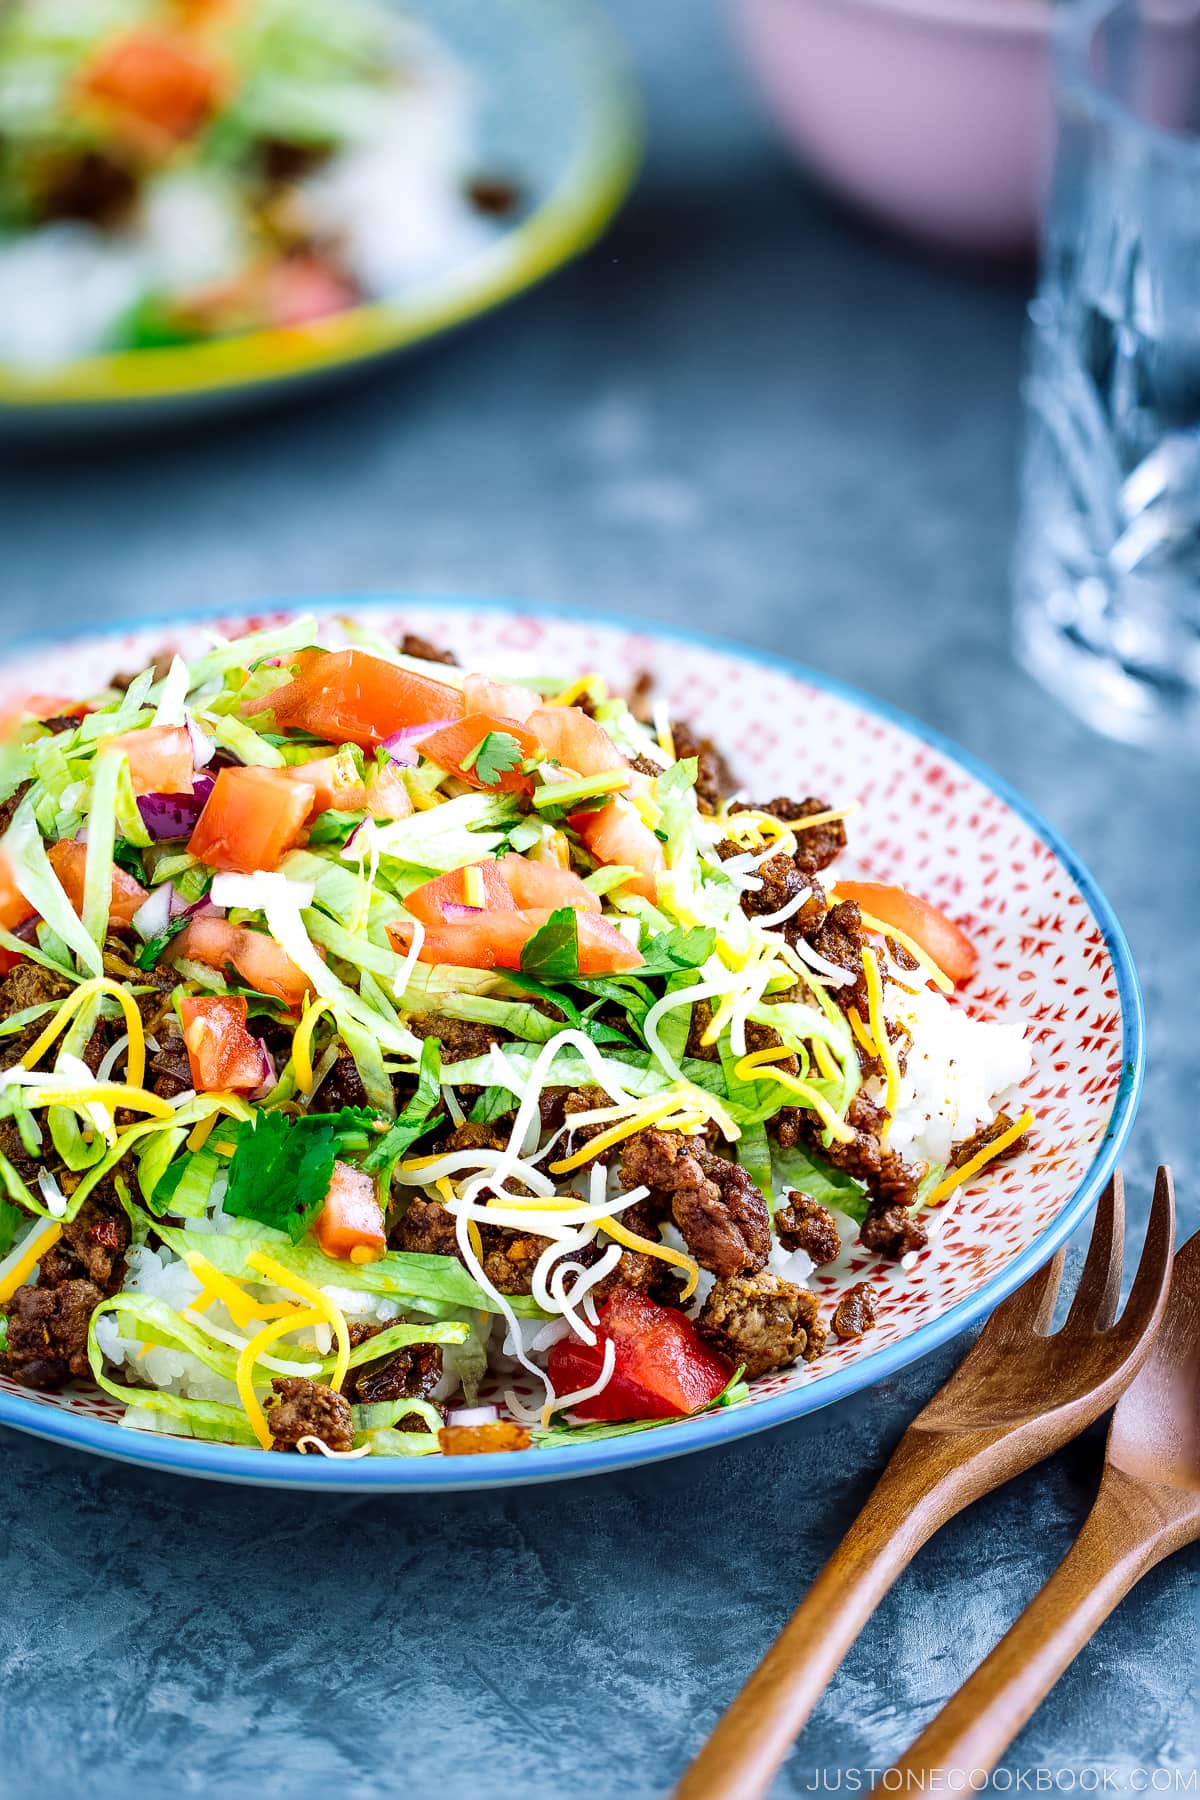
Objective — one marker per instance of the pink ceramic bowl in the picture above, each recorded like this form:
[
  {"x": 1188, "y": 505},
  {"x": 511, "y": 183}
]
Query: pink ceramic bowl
[{"x": 934, "y": 115}]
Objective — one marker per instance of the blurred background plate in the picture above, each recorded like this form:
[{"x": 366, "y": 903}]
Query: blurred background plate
[{"x": 557, "y": 107}]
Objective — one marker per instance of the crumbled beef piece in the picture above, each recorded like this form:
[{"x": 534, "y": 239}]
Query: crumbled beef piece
[
  {"x": 509, "y": 1258},
  {"x": 636, "y": 1268},
  {"x": 903, "y": 959},
  {"x": 408, "y": 1374},
  {"x": 839, "y": 939},
  {"x": 27, "y": 984},
  {"x": 644, "y": 766},
  {"x": 493, "y": 196},
  {"x": 714, "y": 778},
  {"x": 641, "y": 697},
  {"x": 855, "y": 1311},
  {"x": 583, "y": 1100},
  {"x": 817, "y": 847},
  {"x": 475, "y": 1135},
  {"x": 716, "y": 1206},
  {"x": 13, "y": 1151},
  {"x": 87, "y": 185},
  {"x": 281, "y": 163},
  {"x": 299, "y": 1408},
  {"x": 701, "y": 1019},
  {"x": 47, "y": 1333},
  {"x": 92, "y": 1245},
  {"x": 804, "y": 1224},
  {"x": 761, "y": 1322},
  {"x": 343, "y": 1085},
  {"x": 413, "y": 645},
  {"x": 481, "y": 1440},
  {"x": 161, "y": 666},
  {"x": 459, "y": 1039},
  {"x": 987, "y": 1134},
  {"x": 8, "y": 811},
  {"x": 170, "y": 1065},
  {"x": 890, "y": 1230},
  {"x": 426, "y": 1229}
]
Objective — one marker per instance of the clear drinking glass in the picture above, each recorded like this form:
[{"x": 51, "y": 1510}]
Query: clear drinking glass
[{"x": 1108, "y": 560}]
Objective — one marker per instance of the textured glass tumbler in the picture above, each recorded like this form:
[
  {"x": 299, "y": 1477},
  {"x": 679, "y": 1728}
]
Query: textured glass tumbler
[{"x": 1108, "y": 559}]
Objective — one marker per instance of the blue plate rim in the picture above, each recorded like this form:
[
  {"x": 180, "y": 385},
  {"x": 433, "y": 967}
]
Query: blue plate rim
[{"x": 231, "y": 1463}]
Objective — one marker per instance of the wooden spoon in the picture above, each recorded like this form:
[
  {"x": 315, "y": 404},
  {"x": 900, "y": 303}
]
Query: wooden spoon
[
  {"x": 1017, "y": 1396},
  {"x": 1147, "y": 1508}
]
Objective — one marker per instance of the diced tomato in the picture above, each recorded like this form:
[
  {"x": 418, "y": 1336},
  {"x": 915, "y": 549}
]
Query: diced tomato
[
  {"x": 37, "y": 706},
  {"x": 577, "y": 742},
  {"x": 69, "y": 862},
  {"x": 618, "y": 835},
  {"x": 387, "y": 796},
  {"x": 160, "y": 758},
  {"x": 251, "y": 817},
  {"x": 349, "y": 697},
  {"x": 156, "y": 83},
  {"x": 350, "y": 1224},
  {"x": 483, "y": 695},
  {"x": 428, "y": 902},
  {"x": 256, "y": 957},
  {"x": 939, "y": 937},
  {"x": 451, "y": 747},
  {"x": 302, "y": 288},
  {"x": 663, "y": 1367},
  {"x": 14, "y": 910},
  {"x": 545, "y": 884},
  {"x": 223, "y": 1055},
  {"x": 335, "y": 783},
  {"x": 495, "y": 940}
]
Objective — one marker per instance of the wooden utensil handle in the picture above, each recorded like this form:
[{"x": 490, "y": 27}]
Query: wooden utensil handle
[
  {"x": 1116, "y": 1547},
  {"x": 928, "y": 1480}
]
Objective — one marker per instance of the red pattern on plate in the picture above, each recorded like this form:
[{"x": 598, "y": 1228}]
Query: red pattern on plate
[{"x": 924, "y": 822}]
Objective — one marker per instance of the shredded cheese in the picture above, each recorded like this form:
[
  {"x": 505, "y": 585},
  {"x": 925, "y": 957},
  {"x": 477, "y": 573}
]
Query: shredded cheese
[
  {"x": 302, "y": 1044},
  {"x": 104, "y": 1093},
  {"x": 246, "y": 1361},
  {"x": 241, "y": 1306},
  {"x": 32, "y": 1249},
  {"x": 575, "y": 690},
  {"x": 135, "y": 1067},
  {"x": 862, "y": 1034},
  {"x": 200, "y": 1133},
  {"x": 650, "y": 1247},
  {"x": 616, "y": 1134},
  {"x": 922, "y": 957},
  {"x": 988, "y": 1154},
  {"x": 758, "y": 1067},
  {"x": 887, "y": 1056},
  {"x": 296, "y": 1284}
]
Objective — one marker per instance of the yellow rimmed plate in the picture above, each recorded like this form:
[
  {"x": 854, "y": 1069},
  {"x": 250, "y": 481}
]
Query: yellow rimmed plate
[{"x": 559, "y": 111}]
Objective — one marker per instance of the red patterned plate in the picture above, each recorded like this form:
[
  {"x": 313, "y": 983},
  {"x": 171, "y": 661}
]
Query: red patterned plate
[{"x": 1052, "y": 957}]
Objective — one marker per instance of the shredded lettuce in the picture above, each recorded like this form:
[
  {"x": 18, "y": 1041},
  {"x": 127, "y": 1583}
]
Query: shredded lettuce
[{"x": 41, "y": 887}]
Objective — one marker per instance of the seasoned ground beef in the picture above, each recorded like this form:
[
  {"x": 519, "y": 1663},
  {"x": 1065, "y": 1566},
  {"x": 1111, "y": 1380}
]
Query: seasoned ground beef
[
  {"x": 475, "y": 1135},
  {"x": 636, "y": 1268},
  {"x": 301, "y": 1408},
  {"x": 413, "y": 645},
  {"x": 342, "y": 1086},
  {"x": 839, "y": 939},
  {"x": 426, "y": 1229},
  {"x": 47, "y": 1333},
  {"x": 641, "y": 697},
  {"x": 8, "y": 807},
  {"x": 92, "y": 1245},
  {"x": 87, "y": 185},
  {"x": 721, "y": 1214},
  {"x": 890, "y": 1181},
  {"x": 583, "y": 1100},
  {"x": 460, "y": 1040},
  {"x": 408, "y": 1374},
  {"x": 987, "y": 1134},
  {"x": 804, "y": 1224},
  {"x": 781, "y": 881},
  {"x": 480, "y": 1440},
  {"x": 509, "y": 1258},
  {"x": 25, "y": 985},
  {"x": 891, "y": 1230},
  {"x": 761, "y": 1322},
  {"x": 815, "y": 848},
  {"x": 714, "y": 778},
  {"x": 855, "y": 1311},
  {"x": 169, "y": 1066}
]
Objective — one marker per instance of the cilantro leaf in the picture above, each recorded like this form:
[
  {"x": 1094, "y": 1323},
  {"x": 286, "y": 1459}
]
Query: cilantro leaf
[
  {"x": 11, "y": 1219},
  {"x": 150, "y": 951},
  {"x": 280, "y": 1171},
  {"x": 492, "y": 1104},
  {"x": 553, "y": 950},
  {"x": 672, "y": 951},
  {"x": 493, "y": 756},
  {"x": 416, "y": 1118},
  {"x": 582, "y": 1021}
]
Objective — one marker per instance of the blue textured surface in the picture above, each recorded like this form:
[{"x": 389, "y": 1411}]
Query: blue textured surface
[{"x": 748, "y": 414}]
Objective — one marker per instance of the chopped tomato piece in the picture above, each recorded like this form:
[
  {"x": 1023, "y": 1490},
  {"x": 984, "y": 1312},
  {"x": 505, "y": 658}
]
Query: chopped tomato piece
[
  {"x": 222, "y": 1053},
  {"x": 574, "y": 740},
  {"x": 483, "y": 695},
  {"x": 349, "y": 697},
  {"x": 939, "y": 937},
  {"x": 457, "y": 748},
  {"x": 618, "y": 835},
  {"x": 429, "y": 901},
  {"x": 69, "y": 862},
  {"x": 155, "y": 83},
  {"x": 335, "y": 783},
  {"x": 350, "y": 1224},
  {"x": 36, "y": 706},
  {"x": 256, "y": 957},
  {"x": 251, "y": 817},
  {"x": 663, "y": 1367},
  {"x": 387, "y": 796},
  {"x": 495, "y": 940},
  {"x": 302, "y": 288},
  {"x": 538, "y": 884},
  {"x": 160, "y": 758},
  {"x": 14, "y": 910}
]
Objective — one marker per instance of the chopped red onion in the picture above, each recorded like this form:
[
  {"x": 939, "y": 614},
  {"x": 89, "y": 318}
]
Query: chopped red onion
[
  {"x": 174, "y": 815},
  {"x": 473, "y": 1415},
  {"x": 402, "y": 745},
  {"x": 454, "y": 910}
]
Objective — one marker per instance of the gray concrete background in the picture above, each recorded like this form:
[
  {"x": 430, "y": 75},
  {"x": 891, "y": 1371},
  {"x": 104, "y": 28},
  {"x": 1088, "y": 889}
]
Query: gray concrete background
[{"x": 745, "y": 412}]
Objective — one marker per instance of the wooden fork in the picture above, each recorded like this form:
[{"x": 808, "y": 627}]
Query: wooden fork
[
  {"x": 1018, "y": 1395},
  {"x": 1147, "y": 1508}
]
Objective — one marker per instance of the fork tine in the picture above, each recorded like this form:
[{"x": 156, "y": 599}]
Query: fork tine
[
  {"x": 1029, "y": 1311},
  {"x": 1095, "y": 1302},
  {"x": 1148, "y": 1293}
]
